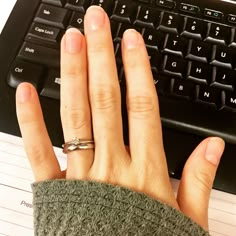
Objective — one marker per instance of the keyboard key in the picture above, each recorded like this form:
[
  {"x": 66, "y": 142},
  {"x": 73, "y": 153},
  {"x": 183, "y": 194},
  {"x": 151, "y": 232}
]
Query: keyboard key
[
  {"x": 44, "y": 35},
  {"x": 175, "y": 44},
  {"x": 182, "y": 88},
  {"x": 22, "y": 71},
  {"x": 162, "y": 83},
  {"x": 171, "y": 23},
  {"x": 230, "y": 101},
  {"x": 51, "y": 15},
  {"x": 51, "y": 88},
  {"x": 155, "y": 75},
  {"x": 195, "y": 28},
  {"x": 165, "y": 3},
  {"x": 145, "y": 1},
  {"x": 154, "y": 57},
  {"x": 233, "y": 43},
  {"x": 218, "y": 34},
  {"x": 223, "y": 78},
  {"x": 125, "y": 11},
  {"x": 77, "y": 21},
  {"x": 173, "y": 66},
  {"x": 209, "y": 96},
  {"x": 209, "y": 13},
  {"x": 58, "y": 3},
  {"x": 153, "y": 38},
  {"x": 40, "y": 54},
  {"x": 199, "y": 72},
  {"x": 199, "y": 51},
  {"x": 78, "y": 5},
  {"x": 231, "y": 19},
  {"x": 147, "y": 17},
  {"x": 191, "y": 9},
  {"x": 114, "y": 28},
  {"x": 222, "y": 56},
  {"x": 107, "y": 5},
  {"x": 117, "y": 51}
]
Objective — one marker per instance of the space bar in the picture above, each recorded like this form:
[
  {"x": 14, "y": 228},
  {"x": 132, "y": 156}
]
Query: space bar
[{"x": 39, "y": 54}]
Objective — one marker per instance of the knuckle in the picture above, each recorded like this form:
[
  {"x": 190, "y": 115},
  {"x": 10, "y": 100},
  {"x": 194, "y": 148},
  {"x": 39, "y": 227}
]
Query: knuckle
[
  {"x": 97, "y": 48},
  {"x": 71, "y": 72},
  {"x": 106, "y": 175},
  {"x": 142, "y": 181},
  {"x": 140, "y": 106},
  {"x": 104, "y": 99},
  {"x": 146, "y": 170},
  {"x": 75, "y": 118}
]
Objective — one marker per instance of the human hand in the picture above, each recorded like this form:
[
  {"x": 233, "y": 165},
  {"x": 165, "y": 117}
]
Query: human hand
[{"x": 91, "y": 108}]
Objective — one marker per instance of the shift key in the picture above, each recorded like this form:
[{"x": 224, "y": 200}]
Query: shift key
[{"x": 40, "y": 54}]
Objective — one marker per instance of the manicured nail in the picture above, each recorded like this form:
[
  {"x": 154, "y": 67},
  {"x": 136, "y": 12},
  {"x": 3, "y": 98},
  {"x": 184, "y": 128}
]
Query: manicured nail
[
  {"x": 23, "y": 93},
  {"x": 73, "y": 40},
  {"x": 95, "y": 17},
  {"x": 131, "y": 38},
  {"x": 214, "y": 150}
]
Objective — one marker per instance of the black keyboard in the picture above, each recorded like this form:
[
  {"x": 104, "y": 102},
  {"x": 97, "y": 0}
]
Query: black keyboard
[{"x": 192, "y": 50}]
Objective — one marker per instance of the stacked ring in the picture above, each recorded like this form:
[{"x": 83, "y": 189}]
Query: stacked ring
[{"x": 78, "y": 144}]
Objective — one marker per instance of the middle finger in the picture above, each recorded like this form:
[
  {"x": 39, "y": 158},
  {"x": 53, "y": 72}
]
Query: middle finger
[
  {"x": 103, "y": 84},
  {"x": 146, "y": 150}
]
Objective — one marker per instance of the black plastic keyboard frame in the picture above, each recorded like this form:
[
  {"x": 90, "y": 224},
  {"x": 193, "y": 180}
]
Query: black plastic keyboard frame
[{"x": 179, "y": 138}]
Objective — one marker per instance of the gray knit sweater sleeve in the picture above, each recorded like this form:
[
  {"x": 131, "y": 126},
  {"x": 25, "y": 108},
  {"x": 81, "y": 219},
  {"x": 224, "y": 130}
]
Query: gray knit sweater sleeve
[{"x": 88, "y": 208}]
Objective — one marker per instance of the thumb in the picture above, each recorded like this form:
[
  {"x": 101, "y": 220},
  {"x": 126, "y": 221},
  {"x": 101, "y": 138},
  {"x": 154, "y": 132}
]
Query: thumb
[{"x": 197, "y": 180}]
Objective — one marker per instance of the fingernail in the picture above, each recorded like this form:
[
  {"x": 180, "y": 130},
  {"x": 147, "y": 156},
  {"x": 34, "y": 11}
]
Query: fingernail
[
  {"x": 214, "y": 150},
  {"x": 95, "y": 17},
  {"x": 131, "y": 38},
  {"x": 23, "y": 94},
  {"x": 73, "y": 40}
]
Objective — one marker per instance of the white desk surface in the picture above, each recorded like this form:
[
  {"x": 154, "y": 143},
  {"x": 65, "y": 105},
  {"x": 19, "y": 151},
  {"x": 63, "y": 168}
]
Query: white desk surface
[{"x": 6, "y": 7}]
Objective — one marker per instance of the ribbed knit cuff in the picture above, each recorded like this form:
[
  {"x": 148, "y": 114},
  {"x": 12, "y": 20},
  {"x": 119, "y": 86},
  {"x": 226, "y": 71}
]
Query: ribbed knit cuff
[{"x": 89, "y": 208}]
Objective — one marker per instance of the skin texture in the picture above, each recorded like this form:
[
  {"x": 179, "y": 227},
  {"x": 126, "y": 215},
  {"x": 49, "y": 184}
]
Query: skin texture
[{"x": 91, "y": 108}]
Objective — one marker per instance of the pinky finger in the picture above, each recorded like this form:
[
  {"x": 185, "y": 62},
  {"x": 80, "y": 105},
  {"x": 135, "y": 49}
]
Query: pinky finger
[{"x": 37, "y": 144}]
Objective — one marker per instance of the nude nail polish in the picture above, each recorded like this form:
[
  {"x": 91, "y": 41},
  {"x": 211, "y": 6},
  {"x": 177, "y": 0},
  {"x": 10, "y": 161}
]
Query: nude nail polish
[
  {"x": 95, "y": 18},
  {"x": 73, "y": 41}
]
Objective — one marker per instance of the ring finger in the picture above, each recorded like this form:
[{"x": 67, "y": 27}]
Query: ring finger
[
  {"x": 146, "y": 150},
  {"x": 75, "y": 109}
]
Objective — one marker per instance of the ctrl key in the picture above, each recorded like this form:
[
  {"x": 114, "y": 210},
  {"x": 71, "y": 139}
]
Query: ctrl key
[{"x": 22, "y": 71}]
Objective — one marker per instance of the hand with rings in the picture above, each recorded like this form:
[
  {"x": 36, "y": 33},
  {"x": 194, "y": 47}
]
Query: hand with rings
[{"x": 91, "y": 113}]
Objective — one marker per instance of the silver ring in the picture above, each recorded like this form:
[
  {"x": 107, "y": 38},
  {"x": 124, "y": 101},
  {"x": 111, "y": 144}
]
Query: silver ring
[{"x": 78, "y": 144}]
